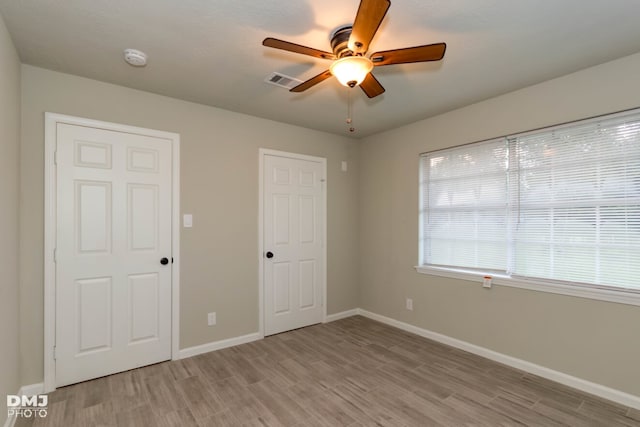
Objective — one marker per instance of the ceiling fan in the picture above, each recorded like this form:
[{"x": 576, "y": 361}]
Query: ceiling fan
[{"x": 350, "y": 44}]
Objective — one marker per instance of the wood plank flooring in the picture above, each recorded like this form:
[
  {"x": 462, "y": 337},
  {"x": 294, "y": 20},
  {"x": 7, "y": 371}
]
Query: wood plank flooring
[{"x": 352, "y": 372}]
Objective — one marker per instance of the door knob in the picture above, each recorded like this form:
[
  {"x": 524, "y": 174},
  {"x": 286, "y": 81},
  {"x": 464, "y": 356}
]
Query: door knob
[
  {"x": 269, "y": 254},
  {"x": 164, "y": 261}
]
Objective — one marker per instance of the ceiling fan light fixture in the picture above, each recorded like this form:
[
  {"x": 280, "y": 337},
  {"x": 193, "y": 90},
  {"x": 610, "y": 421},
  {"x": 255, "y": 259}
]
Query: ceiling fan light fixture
[{"x": 351, "y": 70}]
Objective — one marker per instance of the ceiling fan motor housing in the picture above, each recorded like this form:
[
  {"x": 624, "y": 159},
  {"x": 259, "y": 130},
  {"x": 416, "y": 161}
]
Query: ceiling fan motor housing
[{"x": 340, "y": 41}]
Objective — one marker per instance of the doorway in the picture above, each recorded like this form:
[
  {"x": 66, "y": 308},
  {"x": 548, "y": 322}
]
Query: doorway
[
  {"x": 111, "y": 241},
  {"x": 292, "y": 240}
]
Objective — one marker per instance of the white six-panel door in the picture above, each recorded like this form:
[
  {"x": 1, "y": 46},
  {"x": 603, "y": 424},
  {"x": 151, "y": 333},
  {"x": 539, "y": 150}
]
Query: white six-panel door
[
  {"x": 293, "y": 242},
  {"x": 113, "y": 209}
]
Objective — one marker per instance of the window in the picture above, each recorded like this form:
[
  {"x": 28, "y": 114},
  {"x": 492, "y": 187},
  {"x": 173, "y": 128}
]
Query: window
[{"x": 560, "y": 204}]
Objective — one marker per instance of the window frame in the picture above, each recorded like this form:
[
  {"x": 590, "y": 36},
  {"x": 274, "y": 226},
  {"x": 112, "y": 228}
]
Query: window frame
[{"x": 574, "y": 289}]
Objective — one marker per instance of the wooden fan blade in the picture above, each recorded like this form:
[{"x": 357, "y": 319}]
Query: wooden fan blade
[
  {"x": 311, "y": 82},
  {"x": 370, "y": 15},
  {"x": 297, "y": 48},
  {"x": 430, "y": 52},
  {"x": 371, "y": 86}
]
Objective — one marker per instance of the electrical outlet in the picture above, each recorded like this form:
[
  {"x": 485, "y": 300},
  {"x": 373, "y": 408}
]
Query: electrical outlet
[
  {"x": 409, "y": 304},
  {"x": 486, "y": 282},
  {"x": 211, "y": 318}
]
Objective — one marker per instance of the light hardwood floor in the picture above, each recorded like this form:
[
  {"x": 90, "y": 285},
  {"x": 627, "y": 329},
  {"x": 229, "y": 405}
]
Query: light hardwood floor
[{"x": 352, "y": 372}]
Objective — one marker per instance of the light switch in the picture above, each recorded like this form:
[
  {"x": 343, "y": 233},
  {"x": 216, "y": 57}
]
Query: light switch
[
  {"x": 344, "y": 166},
  {"x": 187, "y": 220}
]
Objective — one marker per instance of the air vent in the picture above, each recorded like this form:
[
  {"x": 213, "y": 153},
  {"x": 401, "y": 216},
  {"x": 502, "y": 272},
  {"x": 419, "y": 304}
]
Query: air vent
[{"x": 282, "y": 80}]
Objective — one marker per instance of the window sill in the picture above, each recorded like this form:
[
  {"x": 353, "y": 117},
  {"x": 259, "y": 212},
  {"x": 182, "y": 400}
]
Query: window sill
[{"x": 621, "y": 296}]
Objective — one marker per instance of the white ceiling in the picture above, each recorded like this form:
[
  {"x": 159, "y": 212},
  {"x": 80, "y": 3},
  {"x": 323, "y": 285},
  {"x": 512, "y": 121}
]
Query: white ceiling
[{"x": 210, "y": 52}]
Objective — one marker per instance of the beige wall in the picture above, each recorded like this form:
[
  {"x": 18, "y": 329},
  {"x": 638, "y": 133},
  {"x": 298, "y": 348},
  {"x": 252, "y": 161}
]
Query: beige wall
[
  {"x": 9, "y": 174},
  {"x": 372, "y": 216},
  {"x": 596, "y": 341},
  {"x": 219, "y": 186}
]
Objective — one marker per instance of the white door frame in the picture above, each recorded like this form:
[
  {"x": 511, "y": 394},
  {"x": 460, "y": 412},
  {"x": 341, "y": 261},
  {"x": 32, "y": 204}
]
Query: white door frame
[
  {"x": 50, "y": 195},
  {"x": 262, "y": 153}
]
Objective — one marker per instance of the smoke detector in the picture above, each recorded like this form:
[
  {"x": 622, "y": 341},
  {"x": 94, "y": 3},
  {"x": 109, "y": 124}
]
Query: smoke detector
[{"x": 135, "y": 57}]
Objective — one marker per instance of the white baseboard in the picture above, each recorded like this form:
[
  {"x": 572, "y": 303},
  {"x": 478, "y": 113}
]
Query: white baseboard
[
  {"x": 341, "y": 315},
  {"x": 25, "y": 390},
  {"x": 11, "y": 421},
  {"x": 32, "y": 389},
  {"x": 600, "y": 390},
  {"x": 218, "y": 345},
  {"x": 230, "y": 342}
]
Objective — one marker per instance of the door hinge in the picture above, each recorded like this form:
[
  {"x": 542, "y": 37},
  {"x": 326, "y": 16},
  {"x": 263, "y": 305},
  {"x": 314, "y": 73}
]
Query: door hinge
[
  {"x": 55, "y": 157},
  {"x": 54, "y": 353},
  {"x": 55, "y": 255}
]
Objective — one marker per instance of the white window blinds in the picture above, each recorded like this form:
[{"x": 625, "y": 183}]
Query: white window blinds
[
  {"x": 561, "y": 204},
  {"x": 579, "y": 203},
  {"x": 465, "y": 206}
]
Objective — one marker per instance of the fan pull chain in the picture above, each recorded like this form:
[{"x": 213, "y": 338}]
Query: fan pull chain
[{"x": 350, "y": 110}]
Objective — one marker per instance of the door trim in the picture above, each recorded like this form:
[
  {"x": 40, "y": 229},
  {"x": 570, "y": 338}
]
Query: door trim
[
  {"x": 50, "y": 194},
  {"x": 323, "y": 161}
]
